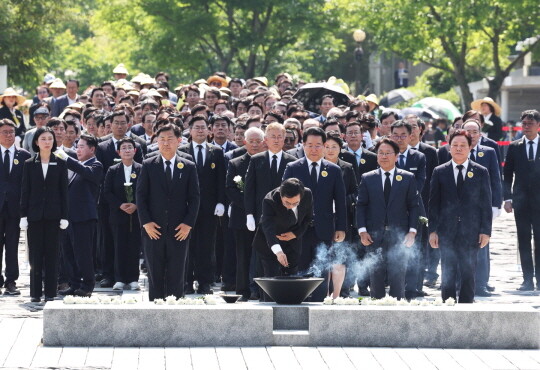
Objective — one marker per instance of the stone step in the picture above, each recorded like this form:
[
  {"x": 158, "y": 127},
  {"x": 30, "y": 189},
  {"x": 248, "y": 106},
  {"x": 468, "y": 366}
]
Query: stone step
[{"x": 291, "y": 337}]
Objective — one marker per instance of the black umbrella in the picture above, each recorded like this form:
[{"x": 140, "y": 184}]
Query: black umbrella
[
  {"x": 310, "y": 95},
  {"x": 396, "y": 96}
]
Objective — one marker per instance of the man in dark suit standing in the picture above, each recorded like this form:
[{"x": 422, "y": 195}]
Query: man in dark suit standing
[
  {"x": 287, "y": 213},
  {"x": 71, "y": 96},
  {"x": 211, "y": 175},
  {"x": 387, "y": 218},
  {"x": 235, "y": 187},
  {"x": 486, "y": 157},
  {"x": 521, "y": 193},
  {"x": 168, "y": 203},
  {"x": 325, "y": 181},
  {"x": 414, "y": 162},
  {"x": 460, "y": 217},
  {"x": 108, "y": 155},
  {"x": 10, "y": 193},
  {"x": 119, "y": 190},
  {"x": 83, "y": 189}
]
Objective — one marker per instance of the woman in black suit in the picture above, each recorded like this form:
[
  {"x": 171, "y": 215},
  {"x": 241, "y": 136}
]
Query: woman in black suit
[
  {"x": 9, "y": 101},
  {"x": 44, "y": 210},
  {"x": 341, "y": 252}
]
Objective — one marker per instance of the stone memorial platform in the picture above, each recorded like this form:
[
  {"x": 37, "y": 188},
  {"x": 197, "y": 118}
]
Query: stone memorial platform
[{"x": 489, "y": 326}]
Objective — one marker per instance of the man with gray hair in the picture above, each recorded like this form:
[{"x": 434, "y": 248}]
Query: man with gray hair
[{"x": 234, "y": 188}]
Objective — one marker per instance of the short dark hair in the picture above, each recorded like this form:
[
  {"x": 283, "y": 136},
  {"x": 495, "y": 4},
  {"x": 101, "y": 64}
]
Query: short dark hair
[
  {"x": 164, "y": 74},
  {"x": 76, "y": 81},
  {"x": 7, "y": 122},
  {"x": 292, "y": 187},
  {"x": 94, "y": 91},
  {"x": 314, "y": 131},
  {"x": 125, "y": 140},
  {"x": 331, "y": 122},
  {"x": 198, "y": 117},
  {"x": 472, "y": 120},
  {"x": 473, "y": 114},
  {"x": 275, "y": 114},
  {"x": 387, "y": 141},
  {"x": 119, "y": 113},
  {"x": 530, "y": 114},
  {"x": 169, "y": 127},
  {"x": 335, "y": 137},
  {"x": 217, "y": 117},
  {"x": 55, "y": 121},
  {"x": 389, "y": 113},
  {"x": 327, "y": 96},
  {"x": 401, "y": 123},
  {"x": 91, "y": 140},
  {"x": 460, "y": 132},
  {"x": 40, "y": 131},
  {"x": 74, "y": 124}
]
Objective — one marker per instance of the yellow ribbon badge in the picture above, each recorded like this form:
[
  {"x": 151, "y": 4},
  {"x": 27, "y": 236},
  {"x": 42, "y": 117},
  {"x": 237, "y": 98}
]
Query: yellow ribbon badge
[
  {"x": 15, "y": 161},
  {"x": 362, "y": 161},
  {"x": 180, "y": 165},
  {"x": 481, "y": 154},
  {"x": 470, "y": 175},
  {"x": 324, "y": 173},
  {"x": 399, "y": 178},
  {"x": 133, "y": 175},
  {"x": 213, "y": 165}
]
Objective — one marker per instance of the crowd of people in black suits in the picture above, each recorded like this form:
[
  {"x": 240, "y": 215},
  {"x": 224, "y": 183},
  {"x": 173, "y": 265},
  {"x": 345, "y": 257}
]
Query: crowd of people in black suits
[{"x": 227, "y": 180}]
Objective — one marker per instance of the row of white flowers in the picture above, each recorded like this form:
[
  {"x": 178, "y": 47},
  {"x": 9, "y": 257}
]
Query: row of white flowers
[
  {"x": 388, "y": 301},
  {"x": 171, "y": 300}
]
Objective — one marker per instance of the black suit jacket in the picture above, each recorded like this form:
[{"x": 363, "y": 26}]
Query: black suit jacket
[
  {"x": 237, "y": 167},
  {"x": 416, "y": 164},
  {"x": 83, "y": 189},
  {"x": 235, "y": 153},
  {"x": 211, "y": 177},
  {"x": 259, "y": 181},
  {"x": 368, "y": 162},
  {"x": 402, "y": 210},
  {"x": 432, "y": 161},
  {"x": 10, "y": 186},
  {"x": 495, "y": 132},
  {"x": 485, "y": 141},
  {"x": 297, "y": 152},
  {"x": 59, "y": 104},
  {"x": 44, "y": 198},
  {"x": 329, "y": 191},
  {"x": 6, "y": 113},
  {"x": 178, "y": 152},
  {"x": 351, "y": 190},
  {"x": 472, "y": 210},
  {"x": 276, "y": 219},
  {"x": 168, "y": 206},
  {"x": 138, "y": 140},
  {"x": 106, "y": 154},
  {"x": 114, "y": 191},
  {"x": 138, "y": 129},
  {"x": 522, "y": 177}
]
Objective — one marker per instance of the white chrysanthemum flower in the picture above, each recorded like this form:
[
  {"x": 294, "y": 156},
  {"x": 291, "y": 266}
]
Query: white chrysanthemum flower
[
  {"x": 438, "y": 301},
  {"x": 170, "y": 300},
  {"x": 237, "y": 178},
  {"x": 424, "y": 303},
  {"x": 415, "y": 302},
  {"x": 328, "y": 301},
  {"x": 159, "y": 301},
  {"x": 69, "y": 299},
  {"x": 450, "y": 301},
  {"x": 339, "y": 301}
]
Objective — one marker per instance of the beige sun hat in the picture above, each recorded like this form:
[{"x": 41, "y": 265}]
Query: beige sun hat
[
  {"x": 120, "y": 69},
  {"x": 11, "y": 92},
  {"x": 477, "y": 104}
]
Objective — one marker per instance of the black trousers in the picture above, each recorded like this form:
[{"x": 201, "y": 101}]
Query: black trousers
[
  {"x": 166, "y": 263},
  {"x": 243, "y": 240},
  {"x": 43, "y": 247},
  {"x": 415, "y": 264},
  {"x": 528, "y": 219},
  {"x": 389, "y": 260},
  {"x": 458, "y": 258},
  {"x": 310, "y": 245},
  {"x": 271, "y": 267},
  {"x": 226, "y": 263},
  {"x": 202, "y": 254},
  {"x": 63, "y": 274},
  {"x": 127, "y": 247},
  {"x": 78, "y": 254},
  {"x": 105, "y": 243},
  {"x": 9, "y": 240}
]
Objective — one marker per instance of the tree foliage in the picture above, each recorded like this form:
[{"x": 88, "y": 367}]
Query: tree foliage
[{"x": 470, "y": 39}]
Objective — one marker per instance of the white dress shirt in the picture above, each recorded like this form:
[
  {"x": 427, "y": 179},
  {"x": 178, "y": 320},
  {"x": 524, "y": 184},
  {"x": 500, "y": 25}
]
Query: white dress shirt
[
  {"x": 276, "y": 248},
  {"x": 535, "y": 145},
  {"x": 11, "y": 151},
  {"x": 196, "y": 151},
  {"x": 318, "y": 168},
  {"x": 278, "y": 159},
  {"x": 127, "y": 173},
  {"x": 463, "y": 172},
  {"x": 173, "y": 160}
]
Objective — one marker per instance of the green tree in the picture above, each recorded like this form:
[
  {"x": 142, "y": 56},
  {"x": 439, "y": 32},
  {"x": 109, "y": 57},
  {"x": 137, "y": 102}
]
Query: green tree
[
  {"x": 27, "y": 37},
  {"x": 470, "y": 39}
]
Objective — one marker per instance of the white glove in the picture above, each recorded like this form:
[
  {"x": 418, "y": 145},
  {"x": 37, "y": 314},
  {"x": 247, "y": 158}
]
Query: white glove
[
  {"x": 496, "y": 212},
  {"x": 220, "y": 210},
  {"x": 61, "y": 154},
  {"x": 229, "y": 210},
  {"x": 367, "y": 140},
  {"x": 64, "y": 224},
  {"x": 250, "y": 222},
  {"x": 23, "y": 224}
]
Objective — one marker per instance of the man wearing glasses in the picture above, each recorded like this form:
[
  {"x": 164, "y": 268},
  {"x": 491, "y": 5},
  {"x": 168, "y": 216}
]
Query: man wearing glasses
[{"x": 10, "y": 193}]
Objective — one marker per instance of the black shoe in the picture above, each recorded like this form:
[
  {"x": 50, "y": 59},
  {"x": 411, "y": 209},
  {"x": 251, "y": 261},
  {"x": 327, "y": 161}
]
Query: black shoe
[
  {"x": 410, "y": 294},
  {"x": 526, "y": 286},
  {"x": 82, "y": 293},
  {"x": 228, "y": 288},
  {"x": 490, "y": 288},
  {"x": 254, "y": 297},
  {"x": 430, "y": 283},
  {"x": 482, "y": 292},
  {"x": 363, "y": 292},
  {"x": 62, "y": 286},
  {"x": 243, "y": 299},
  {"x": 11, "y": 289},
  {"x": 35, "y": 300},
  {"x": 421, "y": 293},
  {"x": 49, "y": 299},
  {"x": 205, "y": 289},
  {"x": 144, "y": 270},
  {"x": 68, "y": 291},
  {"x": 106, "y": 283},
  {"x": 98, "y": 276}
]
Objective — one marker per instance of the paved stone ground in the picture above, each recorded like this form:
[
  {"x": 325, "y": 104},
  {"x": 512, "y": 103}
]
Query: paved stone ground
[{"x": 21, "y": 328}]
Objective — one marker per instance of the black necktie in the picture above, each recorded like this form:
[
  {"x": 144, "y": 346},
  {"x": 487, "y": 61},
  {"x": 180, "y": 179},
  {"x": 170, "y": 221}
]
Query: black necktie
[
  {"x": 273, "y": 166},
  {"x": 6, "y": 163},
  {"x": 460, "y": 179},
  {"x": 472, "y": 155},
  {"x": 314, "y": 174},
  {"x": 401, "y": 161},
  {"x": 531, "y": 151},
  {"x": 168, "y": 172},
  {"x": 387, "y": 187},
  {"x": 200, "y": 162}
]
